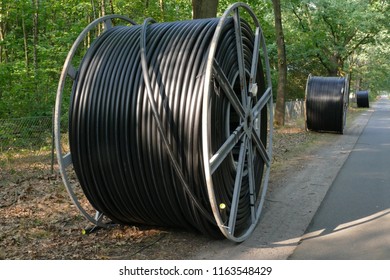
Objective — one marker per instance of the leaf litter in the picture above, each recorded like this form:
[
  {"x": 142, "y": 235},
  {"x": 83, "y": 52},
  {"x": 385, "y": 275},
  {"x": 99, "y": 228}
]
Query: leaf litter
[{"x": 39, "y": 221}]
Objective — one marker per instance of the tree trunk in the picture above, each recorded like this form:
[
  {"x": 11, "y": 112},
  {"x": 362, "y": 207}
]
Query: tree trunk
[
  {"x": 358, "y": 83},
  {"x": 25, "y": 40},
  {"x": 103, "y": 8},
  {"x": 112, "y": 7},
  {"x": 282, "y": 65},
  {"x": 4, "y": 13},
  {"x": 93, "y": 9},
  {"x": 35, "y": 35},
  {"x": 204, "y": 8},
  {"x": 335, "y": 64},
  {"x": 162, "y": 10},
  {"x": 2, "y": 35},
  {"x": 102, "y": 13}
]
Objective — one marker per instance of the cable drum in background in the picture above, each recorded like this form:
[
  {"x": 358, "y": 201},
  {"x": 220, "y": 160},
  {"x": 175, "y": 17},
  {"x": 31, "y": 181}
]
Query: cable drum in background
[
  {"x": 170, "y": 124},
  {"x": 326, "y": 103},
  {"x": 362, "y": 99}
]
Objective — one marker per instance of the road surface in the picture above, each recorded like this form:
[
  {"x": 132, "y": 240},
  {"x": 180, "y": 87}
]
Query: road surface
[
  {"x": 332, "y": 204},
  {"x": 353, "y": 221}
]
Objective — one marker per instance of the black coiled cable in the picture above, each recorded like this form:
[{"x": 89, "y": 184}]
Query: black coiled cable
[
  {"x": 326, "y": 103},
  {"x": 362, "y": 100},
  {"x": 118, "y": 152}
]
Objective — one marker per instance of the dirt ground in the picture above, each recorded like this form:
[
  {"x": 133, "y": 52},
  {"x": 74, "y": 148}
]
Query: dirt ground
[{"x": 39, "y": 221}]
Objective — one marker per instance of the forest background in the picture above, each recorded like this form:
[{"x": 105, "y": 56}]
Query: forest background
[{"x": 322, "y": 37}]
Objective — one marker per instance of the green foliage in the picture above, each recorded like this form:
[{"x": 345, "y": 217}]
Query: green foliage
[
  {"x": 328, "y": 37},
  {"x": 372, "y": 65},
  {"x": 318, "y": 33},
  {"x": 28, "y": 86}
]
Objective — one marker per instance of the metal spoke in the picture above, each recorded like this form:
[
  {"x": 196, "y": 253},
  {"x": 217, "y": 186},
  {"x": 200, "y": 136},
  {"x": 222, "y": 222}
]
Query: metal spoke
[
  {"x": 227, "y": 89},
  {"x": 262, "y": 102},
  {"x": 237, "y": 186},
  {"x": 72, "y": 72},
  {"x": 255, "y": 60},
  {"x": 240, "y": 56},
  {"x": 107, "y": 24},
  {"x": 260, "y": 148},
  {"x": 251, "y": 174},
  {"x": 67, "y": 160},
  {"x": 226, "y": 148}
]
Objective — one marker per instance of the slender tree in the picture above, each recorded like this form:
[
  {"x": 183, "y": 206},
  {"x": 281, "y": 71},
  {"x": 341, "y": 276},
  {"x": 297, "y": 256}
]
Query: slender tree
[
  {"x": 204, "y": 8},
  {"x": 282, "y": 65},
  {"x": 25, "y": 41},
  {"x": 35, "y": 4}
]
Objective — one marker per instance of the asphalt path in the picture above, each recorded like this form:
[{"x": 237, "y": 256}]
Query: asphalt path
[
  {"x": 296, "y": 190},
  {"x": 353, "y": 220}
]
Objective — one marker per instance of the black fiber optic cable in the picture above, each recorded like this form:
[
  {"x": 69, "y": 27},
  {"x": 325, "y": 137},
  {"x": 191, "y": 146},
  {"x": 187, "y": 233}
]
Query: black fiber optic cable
[
  {"x": 362, "y": 100},
  {"x": 135, "y": 123},
  {"x": 326, "y": 103}
]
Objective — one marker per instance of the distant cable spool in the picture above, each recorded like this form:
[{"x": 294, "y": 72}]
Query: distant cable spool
[
  {"x": 362, "y": 99},
  {"x": 170, "y": 124},
  {"x": 326, "y": 103}
]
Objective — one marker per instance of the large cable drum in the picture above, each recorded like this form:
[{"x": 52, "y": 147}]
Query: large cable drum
[
  {"x": 326, "y": 103},
  {"x": 170, "y": 124},
  {"x": 362, "y": 99}
]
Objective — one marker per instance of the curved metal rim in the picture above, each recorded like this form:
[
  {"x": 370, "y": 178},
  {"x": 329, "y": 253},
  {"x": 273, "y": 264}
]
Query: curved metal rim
[
  {"x": 346, "y": 100},
  {"x": 305, "y": 113},
  {"x": 68, "y": 70},
  {"x": 244, "y": 110}
]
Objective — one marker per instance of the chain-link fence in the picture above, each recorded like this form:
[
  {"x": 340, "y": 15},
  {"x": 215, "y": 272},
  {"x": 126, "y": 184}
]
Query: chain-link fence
[
  {"x": 36, "y": 132},
  {"x": 25, "y": 133},
  {"x": 294, "y": 109},
  {"x": 26, "y": 147}
]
